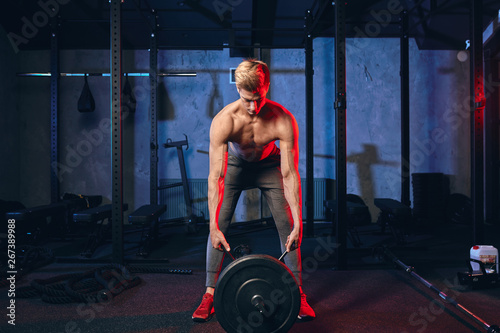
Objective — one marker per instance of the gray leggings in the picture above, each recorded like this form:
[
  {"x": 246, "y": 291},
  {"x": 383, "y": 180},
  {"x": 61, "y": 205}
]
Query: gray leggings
[{"x": 265, "y": 175}]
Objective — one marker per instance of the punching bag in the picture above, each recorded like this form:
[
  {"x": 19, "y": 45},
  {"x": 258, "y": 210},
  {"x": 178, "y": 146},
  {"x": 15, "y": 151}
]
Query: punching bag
[{"x": 86, "y": 101}]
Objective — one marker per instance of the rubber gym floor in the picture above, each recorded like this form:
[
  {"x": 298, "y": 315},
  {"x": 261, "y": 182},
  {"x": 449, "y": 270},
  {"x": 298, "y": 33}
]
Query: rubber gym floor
[{"x": 371, "y": 295}]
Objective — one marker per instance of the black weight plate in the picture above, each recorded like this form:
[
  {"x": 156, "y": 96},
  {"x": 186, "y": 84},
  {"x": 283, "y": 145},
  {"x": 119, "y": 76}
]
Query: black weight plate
[{"x": 256, "y": 279}]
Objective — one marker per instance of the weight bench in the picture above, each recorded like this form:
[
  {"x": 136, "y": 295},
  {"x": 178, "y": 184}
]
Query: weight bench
[
  {"x": 52, "y": 220},
  {"x": 31, "y": 222},
  {"x": 356, "y": 216},
  {"x": 95, "y": 216},
  {"x": 38, "y": 212},
  {"x": 395, "y": 215},
  {"x": 147, "y": 216}
]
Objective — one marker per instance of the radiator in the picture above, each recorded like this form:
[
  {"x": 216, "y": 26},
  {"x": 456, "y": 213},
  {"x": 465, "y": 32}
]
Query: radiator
[
  {"x": 174, "y": 198},
  {"x": 176, "y": 208},
  {"x": 323, "y": 190}
]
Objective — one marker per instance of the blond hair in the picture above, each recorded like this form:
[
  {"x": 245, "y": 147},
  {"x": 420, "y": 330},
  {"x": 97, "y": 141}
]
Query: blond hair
[{"x": 252, "y": 75}]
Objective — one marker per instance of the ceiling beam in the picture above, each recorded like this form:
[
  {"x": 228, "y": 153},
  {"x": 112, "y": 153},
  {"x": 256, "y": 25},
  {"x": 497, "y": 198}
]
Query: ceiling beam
[
  {"x": 263, "y": 16},
  {"x": 211, "y": 15}
]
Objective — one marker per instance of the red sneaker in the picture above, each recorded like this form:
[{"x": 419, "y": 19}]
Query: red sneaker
[
  {"x": 206, "y": 309},
  {"x": 305, "y": 312}
]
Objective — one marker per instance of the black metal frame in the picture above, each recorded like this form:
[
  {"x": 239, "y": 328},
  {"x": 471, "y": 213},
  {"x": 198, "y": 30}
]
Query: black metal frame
[
  {"x": 116, "y": 133},
  {"x": 477, "y": 120},
  {"x": 405, "y": 109},
  {"x": 153, "y": 83},
  {"x": 309, "y": 126},
  {"x": 340, "y": 134},
  {"x": 54, "y": 111},
  {"x": 492, "y": 127}
]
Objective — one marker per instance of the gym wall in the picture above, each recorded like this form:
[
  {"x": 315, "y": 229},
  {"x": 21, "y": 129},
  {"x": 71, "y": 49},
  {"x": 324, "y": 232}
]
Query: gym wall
[{"x": 439, "y": 86}]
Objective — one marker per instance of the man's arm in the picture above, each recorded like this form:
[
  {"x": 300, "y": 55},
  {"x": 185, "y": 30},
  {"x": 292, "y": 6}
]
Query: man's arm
[
  {"x": 291, "y": 179},
  {"x": 219, "y": 132}
]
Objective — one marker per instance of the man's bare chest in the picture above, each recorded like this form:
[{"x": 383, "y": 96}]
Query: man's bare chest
[{"x": 253, "y": 134}]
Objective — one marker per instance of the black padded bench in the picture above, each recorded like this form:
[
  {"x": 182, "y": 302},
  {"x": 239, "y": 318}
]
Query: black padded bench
[
  {"x": 38, "y": 212},
  {"x": 32, "y": 222},
  {"x": 52, "y": 220},
  {"x": 96, "y": 216},
  {"x": 395, "y": 215},
  {"x": 357, "y": 214},
  {"x": 147, "y": 216}
]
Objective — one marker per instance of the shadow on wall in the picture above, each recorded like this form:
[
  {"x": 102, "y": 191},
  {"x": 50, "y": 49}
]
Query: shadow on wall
[
  {"x": 216, "y": 102},
  {"x": 364, "y": 161},
  {"x": 164, "y": 103}
]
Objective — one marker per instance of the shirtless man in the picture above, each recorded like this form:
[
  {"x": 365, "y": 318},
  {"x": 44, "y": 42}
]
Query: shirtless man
[{"x": 243, "y": 154}]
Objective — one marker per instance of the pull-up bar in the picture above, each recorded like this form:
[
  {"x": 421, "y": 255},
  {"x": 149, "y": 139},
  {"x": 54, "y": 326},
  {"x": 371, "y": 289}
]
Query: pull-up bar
[{"x": 48, "y": 74}]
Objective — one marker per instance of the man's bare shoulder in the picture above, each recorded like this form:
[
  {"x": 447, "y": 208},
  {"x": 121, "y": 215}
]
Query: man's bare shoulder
[
  {"x": 227, "y": 113},
  {"x": 279, "y": 112},
  {"x": 284, "y": 122},
  {"x": 223, "y": 122}
]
